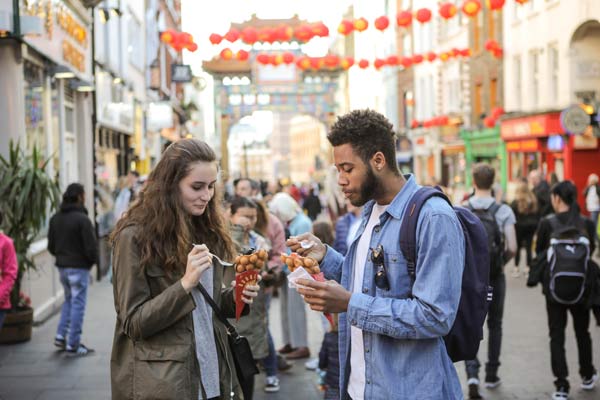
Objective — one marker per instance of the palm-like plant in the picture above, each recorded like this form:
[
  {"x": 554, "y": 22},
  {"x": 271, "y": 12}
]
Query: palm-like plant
[{"x": 28, "y": 194}]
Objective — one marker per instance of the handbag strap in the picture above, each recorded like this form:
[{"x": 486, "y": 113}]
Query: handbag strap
[{"x": 230, "y": 329}]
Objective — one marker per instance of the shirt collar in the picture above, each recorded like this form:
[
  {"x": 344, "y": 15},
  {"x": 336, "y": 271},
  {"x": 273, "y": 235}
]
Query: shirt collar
[{"x": 396, "y": 207}]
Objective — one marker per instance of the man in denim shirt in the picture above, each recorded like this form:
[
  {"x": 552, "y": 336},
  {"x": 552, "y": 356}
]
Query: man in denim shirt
[{"x": 391, "y": 342}]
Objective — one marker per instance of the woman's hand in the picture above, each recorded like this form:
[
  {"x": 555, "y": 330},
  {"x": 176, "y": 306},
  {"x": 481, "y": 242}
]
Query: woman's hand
[
  {"x": 198, "y": 261},
  {"x": 312, "y": 246},
  {"x": 249, "y": 292}
]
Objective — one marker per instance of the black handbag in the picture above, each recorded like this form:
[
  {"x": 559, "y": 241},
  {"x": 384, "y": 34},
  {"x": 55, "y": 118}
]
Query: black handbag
[{"x": 245, "y": 366}]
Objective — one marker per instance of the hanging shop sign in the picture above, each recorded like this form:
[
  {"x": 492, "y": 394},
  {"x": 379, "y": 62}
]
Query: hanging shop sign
[
  {"x": 574, "y": 120},
  {"x": 533, "y": 126},
  {"x": 181, "y": 73}
]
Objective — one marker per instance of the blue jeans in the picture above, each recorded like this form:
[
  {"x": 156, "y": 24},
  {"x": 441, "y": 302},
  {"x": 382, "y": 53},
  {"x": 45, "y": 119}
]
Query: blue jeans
[
  {"x": 494, "y": 323},
  {"x": 75, "y": 283},
  {"x": 2, "y": 315},
  {"x": 270, "y": 362}
]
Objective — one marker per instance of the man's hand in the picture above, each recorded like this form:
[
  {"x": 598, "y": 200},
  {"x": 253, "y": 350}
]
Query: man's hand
[
  {"x": 316, "y": 250},
  {"x": 329, "y": 296}
]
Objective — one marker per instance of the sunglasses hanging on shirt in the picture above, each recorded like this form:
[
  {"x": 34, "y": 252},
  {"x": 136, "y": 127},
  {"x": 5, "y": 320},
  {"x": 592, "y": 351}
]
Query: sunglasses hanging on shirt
[{"x": 378, "y": 260}]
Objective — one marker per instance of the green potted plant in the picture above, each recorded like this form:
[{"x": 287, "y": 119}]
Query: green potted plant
[{"x": 28, "y": 195}]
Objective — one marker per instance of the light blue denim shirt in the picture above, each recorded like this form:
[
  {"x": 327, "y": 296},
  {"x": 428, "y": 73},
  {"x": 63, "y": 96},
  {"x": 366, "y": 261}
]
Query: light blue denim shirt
[{"x": 405, "y": 355}]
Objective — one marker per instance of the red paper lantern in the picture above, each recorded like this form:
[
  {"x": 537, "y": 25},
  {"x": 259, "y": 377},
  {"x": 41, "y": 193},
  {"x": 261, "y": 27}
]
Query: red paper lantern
[
  {"x": 522, "y": 1},
  {"x": 455, "y": 52},
  {"x": 498, "y": 53},
  {"x": 447, "y": 10},
  {"x": 378, "y": 63},
  {"x": 303, "y": 63},
  {"x": 232, "y": 35},
  {"x": 404, "y": 18},
  {"x": 444, "y": 120},
  {"x": 423, "y": 15},
  {"x": 303, "y": 33},
  {"x": 465, "y": 52},
  {"x": 192, "y": 47},
  {"x": 266, "y": 35},
  {"x": 361, "y": 24},
  {"x": 392, "y": 60},
  {"x": 489, "y": 122},
  {"x": 347, "y": 62},
  {"x": 491, "y": 44},
  {"x": 284, "y": 33},
  {"x": 166, "y": 36},
  {"x": 363, "y": 64},
  {"x": 495, "y": 4},
  {"x": 331, "y": 61},
  {"x": 249, "y": 35},
  {"x": 263, "y": 58},
  {"x": 444, "y": 56},
  {"x": 382, "y": 23},
  {"x": 497, "y": 112},
  {"x": 242, "y": 55},
  {"x": 288, "y": 58},
  {"x": 277, "y": 59},
  {"x": 406, "y": 62},
  {"x": 417, "y": 59},
  {"x": 346, "y": 27},
  {"x": 226, "y": 54},
  {"x": 215, "y": 38},
  {"x": 414, "y": 124},
  {"x": 471, "y": 7},
  {"x": 187, "y": 38},
  {"x": 320, "y": 29},
  {"x": 431, "y": 56}
]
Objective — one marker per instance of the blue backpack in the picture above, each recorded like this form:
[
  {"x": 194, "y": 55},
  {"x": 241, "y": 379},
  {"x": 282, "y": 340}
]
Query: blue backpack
[{"x": 462, "y": 342}]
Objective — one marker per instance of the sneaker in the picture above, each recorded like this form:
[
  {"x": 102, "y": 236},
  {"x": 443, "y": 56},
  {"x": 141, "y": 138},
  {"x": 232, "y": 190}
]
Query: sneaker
[
  {"x": 312, "y": 364},
  {"x": 561, "y": 394},
  {"x": 492, "y": 382},
  {"x": 60, "y": 343},
  {"x": 589, "y": 383},
  {"x": 271, "y": 384},
  {"x": 515, "y": 273},
  {"x": 474, "y": 388},
  {"x": 80, "y": 351}
]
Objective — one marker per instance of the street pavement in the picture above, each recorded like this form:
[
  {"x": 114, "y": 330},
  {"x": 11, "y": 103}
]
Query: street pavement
[{"x": 36, "y": 371}]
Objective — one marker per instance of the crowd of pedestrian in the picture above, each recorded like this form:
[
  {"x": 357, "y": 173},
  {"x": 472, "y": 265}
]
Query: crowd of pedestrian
[{"x": 164, "y": 240}]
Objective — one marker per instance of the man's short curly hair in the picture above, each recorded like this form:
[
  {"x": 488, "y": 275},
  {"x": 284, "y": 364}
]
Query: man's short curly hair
[{"x": 368, "y": 132}]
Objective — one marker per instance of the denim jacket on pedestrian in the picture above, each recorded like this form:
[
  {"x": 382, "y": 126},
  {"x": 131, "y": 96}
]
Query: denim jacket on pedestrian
[{"x": 405, "y": 354}]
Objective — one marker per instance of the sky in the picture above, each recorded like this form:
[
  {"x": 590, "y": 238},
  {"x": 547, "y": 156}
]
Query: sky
[{"x": 203, "y": 17}]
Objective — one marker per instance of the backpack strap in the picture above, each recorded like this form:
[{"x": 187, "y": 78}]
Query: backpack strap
[{"x": 408, "y": 227}]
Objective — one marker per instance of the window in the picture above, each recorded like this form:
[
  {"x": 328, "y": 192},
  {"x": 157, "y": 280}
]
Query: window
[
  {"x": 477, "y": 101},
  {"x": 553, "y": 71},
  {"x": 135, "y": 43},
  {"x": 518, "y": 82},
  {"x": 493, "y": 93},
  {"x": 34, "y": 108},
  {"x": 535, "y": 78}
]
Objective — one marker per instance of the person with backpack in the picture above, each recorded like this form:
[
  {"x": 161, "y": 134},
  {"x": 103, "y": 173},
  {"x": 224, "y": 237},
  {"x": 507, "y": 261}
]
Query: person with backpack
[
  {"x": 563, "y": 266},
  {"x": 391, "y": 326},
  {"x": 499, "y": 221},
  {"x": 525, "y": 207}
]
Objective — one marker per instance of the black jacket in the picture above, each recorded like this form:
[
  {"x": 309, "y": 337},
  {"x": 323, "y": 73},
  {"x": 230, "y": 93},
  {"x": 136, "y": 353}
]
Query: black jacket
[
  {"x": 71, "y": 238},
  {"x": 542, "y": 192}
]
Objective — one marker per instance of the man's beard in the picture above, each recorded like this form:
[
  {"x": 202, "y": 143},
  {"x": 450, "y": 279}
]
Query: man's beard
[{"x": 371, "y": 188}]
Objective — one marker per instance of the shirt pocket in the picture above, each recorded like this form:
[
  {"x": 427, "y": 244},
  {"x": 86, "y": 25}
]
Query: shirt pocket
[
  {"x": 162, "y": 372},
  {"x": 157, "y": 279},
  {"x": 397, "y": 274}
]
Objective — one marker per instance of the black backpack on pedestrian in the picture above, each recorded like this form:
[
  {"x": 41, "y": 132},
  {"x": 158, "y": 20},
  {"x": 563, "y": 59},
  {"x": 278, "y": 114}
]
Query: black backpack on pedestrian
[
  {"x": 568, "y": 261},
  {"x": 495, "y": 238}
]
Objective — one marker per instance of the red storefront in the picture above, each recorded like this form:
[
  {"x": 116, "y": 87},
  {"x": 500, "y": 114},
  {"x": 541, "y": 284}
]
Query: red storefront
[{"x": 539, "y": 141}]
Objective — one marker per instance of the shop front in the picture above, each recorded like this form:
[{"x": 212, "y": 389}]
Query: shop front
[
  {"x": 486, "y": 146},
  {"x": 453, "y": 159},
  {"x": 426, "y": 155},
  {"x": 540, "y": 142}
]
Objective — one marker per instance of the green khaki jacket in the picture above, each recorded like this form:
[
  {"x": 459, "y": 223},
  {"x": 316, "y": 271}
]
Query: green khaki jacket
[{"x": 153, "y": 354}]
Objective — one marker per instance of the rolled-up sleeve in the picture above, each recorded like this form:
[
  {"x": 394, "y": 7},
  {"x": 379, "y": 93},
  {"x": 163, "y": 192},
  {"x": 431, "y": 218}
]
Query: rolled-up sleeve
[
  {"x": 331, "y": 264},
  {"x": 431, "y": 311}
]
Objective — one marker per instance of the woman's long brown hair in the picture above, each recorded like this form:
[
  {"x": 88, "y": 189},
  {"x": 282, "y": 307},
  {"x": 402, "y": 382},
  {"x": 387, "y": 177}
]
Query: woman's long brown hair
[
  {"x": 526, "y": 200},
  {"x": 166, "y": 231}
]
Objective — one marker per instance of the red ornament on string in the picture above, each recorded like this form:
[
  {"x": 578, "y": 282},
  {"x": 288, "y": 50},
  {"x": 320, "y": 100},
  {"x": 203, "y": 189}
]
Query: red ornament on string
[
  {"x": 215, "y": 38},
  {"x": 431, "y": 56},
  {"x": 414, "y": 124},
  {"x": 471, "y": 7},
  {"x": 447, "y": 10},
  {"x": 423, "y": 15},
  {"x": 404, "y": 18},
  {"x": 232, "y": 35},
  {"x": 303, "y": 33},
  {"x": 489, "y": 122},
  {"x": 465, "y": 52},
  {"x": 331, "y": 61},
  {"x": 363, "y": 64},
  {"x": 316, "y": 63},
  {"x": 320, "y": 29},
  {"x": 192, "y": 47},
  {"x": 361, "y": 24},
  {"x": 347, "y": 62},
  {"x": 495, "y": 4},
  {"x": 346, "y": 27},
  {"x": 226, "y": 54},
  {"x": 249, "y": 35},
  {"x": 303, "y": 63},
  {"x": 284, "y": 33},
  {"x": 417, "y": 59},
  {"x": 242, "y": 55},
  {"x": 263, "y": 58},
  {"x": 392, "y": 60},
  {"x": 491, "y": 44},
  {"x": 167, "y": 36},
  {"x": 378, "y": 63},
  {"x": 497, "y": 112},
  {"x": 288, "y": 58},
  {"x": 406, "y": 62},
  {"x": 382, "y": 23}
]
